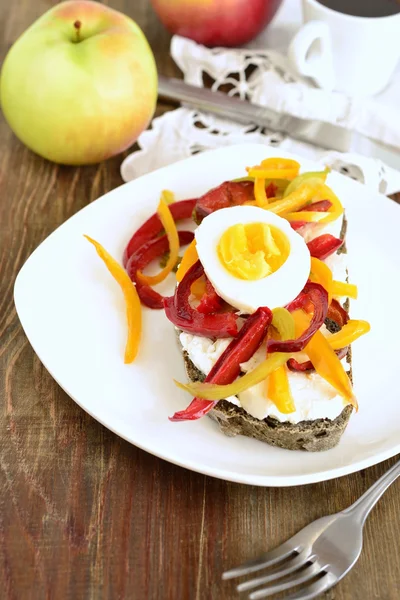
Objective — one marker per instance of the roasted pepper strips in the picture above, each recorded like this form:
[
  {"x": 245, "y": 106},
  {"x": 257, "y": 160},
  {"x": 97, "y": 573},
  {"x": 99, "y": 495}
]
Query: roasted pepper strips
[
  {"x": 179, "y": 311},
  {"x": 316, "y": 295},
  {"x": 132, "y": 301},
  {"x": 277, "y": 384},
  {"x": 307, "y": 366},
  {"x": 321, "y": 273},
  {"x": 324, "y": 245},
  {"x": 229, "y": 193},
  {"x": 325, "y": 361},
  {"x": 337, "y": 313},
  {"x": 210, "y": 301},
  {"x": 215, "y": 391},
  {"x": 169, "y": 226},
  {"x": 320, "y": 206},
  {"x": 318, "y": 192},
  {"x": 188, "y": 260},
  {"x": 144, "y": 256},
  {"x": 351, "y": 331},
  {"x": 311, "y": 177},
  {"x": 227, "y": 367},
  {"x": 259, "y": 192},
  {"x": 153, "y": 226},
  {"x": 275, "y": 168}
]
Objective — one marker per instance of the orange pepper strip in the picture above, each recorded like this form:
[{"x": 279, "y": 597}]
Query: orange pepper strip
[
  {"x": 170, "y": 229},
  {"x": 324, "y": 359},
  {"x": 275, "y": 168},
  {"x": 321, "y": 273},
  {"x": 340, "y": 288},
  {"x": 132, "y": 301},
  {"x": 350, "y": 332},
  {"x": 168, "y": 196},
  {"x": 260, "y": 193},
  {"x": 199, "y": 287},
  {"x": 188, "y": 259},
  {"x": 278, "y": 390}
]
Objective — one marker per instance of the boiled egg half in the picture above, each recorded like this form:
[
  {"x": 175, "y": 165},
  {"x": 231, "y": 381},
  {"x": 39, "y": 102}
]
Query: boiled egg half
[{"x": 252, "y": 257}]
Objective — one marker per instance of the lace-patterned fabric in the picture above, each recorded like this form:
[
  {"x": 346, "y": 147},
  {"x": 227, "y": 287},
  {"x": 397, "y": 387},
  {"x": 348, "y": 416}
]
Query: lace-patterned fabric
[{"x": 260, "y": 76}]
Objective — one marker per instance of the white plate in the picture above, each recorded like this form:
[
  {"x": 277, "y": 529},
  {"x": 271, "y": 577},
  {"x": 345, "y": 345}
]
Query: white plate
[{"x": 73, "y": 314}]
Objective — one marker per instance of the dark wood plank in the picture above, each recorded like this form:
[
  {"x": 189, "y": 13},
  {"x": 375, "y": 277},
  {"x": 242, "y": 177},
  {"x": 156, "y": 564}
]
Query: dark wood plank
[{"x": 83, "y": 514}]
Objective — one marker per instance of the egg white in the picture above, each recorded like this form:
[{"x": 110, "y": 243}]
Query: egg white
[{"x": 277, "y": 289}]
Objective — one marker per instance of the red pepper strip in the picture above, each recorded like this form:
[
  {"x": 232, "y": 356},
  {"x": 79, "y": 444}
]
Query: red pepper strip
[
  {"x": 142, "y": 257},
  {"x": 227, "y": 367},
  {"x": 312, "y": 293},
  {"x": 337, "y": 313},
  {"x": 324, "y": 245},
  {"x": 294, "y": 365},
  {"x": 210, "y": 302},
  {"x": 320, "y": 206},
  {"x": 229, "y": 193},
  {"x": 271, "y": 190},
  {"x": 221, "y": 325},
  {"x": 153, "y": 226}
]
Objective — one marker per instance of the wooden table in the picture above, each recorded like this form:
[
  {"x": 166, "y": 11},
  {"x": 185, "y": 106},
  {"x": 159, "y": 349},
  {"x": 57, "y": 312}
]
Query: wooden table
[{"x": 83, "y": 513}]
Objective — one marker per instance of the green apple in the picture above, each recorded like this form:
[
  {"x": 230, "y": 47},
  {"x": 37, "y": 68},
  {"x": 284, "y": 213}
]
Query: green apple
[{"x": 80, "y": 84}]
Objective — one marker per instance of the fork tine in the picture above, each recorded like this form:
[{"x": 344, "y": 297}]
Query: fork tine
[
  {"x": 280, "y": 553},
  {"x": 297, "y": 578},
  {"x": 315, "y": 589},
  {"x": 285, "y": 569}
]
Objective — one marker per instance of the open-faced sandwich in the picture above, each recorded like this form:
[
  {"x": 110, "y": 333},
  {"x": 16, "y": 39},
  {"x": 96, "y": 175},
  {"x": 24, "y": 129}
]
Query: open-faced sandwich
[{"x": 261, "y": 304}]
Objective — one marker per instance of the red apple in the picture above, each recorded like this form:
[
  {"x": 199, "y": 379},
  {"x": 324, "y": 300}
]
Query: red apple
[
  {"x": 80, "y": 84},
  {"x": 216, "y": 22}
]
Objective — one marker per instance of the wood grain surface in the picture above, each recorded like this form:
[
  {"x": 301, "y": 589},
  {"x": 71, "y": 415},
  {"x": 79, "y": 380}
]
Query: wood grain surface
[{"x": 85, "y": 515}]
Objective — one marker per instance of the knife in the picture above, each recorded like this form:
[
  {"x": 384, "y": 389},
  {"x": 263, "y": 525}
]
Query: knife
[{"x": 318, "y": 133}]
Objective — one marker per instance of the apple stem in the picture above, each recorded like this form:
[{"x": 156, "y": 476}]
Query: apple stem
[{"x": 78, "y": 26}]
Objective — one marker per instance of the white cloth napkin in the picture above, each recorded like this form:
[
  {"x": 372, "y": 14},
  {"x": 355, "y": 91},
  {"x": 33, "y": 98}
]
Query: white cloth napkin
[{"x": 265, "y": 77}]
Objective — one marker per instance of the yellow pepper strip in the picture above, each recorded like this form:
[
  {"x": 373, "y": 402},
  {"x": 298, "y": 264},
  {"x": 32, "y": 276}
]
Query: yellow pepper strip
[
  {"x": 321, "y": 192},
  {"x": 278, "y": 390},
  {"x": 168, "y": 196},
  {"x": 170, "y": 228},
  {"x": 348, "y": 334},
  {"x": 284, "y": 322},
  {"x": 275, "y": 168},
  {"x": 305, "y": 194},
  {"x": 132, "y": 301},
  {"x": 325, "y": 360},
  {"x": 260, "y": 193},
  {"x": 199, "y": 287},
  {"x": 307, "y": 216},
  {"x": 311, "y": 177},
  {"x": 211, "y": 391},
  {"x": 300, "y": 197},
  {"x": 277, "y": 385},
  {"x": 189, "y": 258},
  {"x": 340, "y": 288},
  {"x": 321, "y": 273}
]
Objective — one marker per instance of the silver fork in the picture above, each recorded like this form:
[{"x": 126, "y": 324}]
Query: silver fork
[{"x": 319, "y": 555}]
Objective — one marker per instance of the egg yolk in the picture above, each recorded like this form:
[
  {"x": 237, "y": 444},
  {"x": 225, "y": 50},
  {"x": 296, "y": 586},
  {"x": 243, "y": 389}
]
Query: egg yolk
[{"x": 253, "y": 251}]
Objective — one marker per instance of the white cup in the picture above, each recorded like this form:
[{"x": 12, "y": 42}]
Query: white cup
[{"x": 356, "y": 55}]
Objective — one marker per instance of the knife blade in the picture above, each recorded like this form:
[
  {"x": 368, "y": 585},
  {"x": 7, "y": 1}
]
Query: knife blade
[{"x": 318, "y": 133}]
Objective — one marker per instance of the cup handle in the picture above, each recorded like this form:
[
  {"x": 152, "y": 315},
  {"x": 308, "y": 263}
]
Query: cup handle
[{"x": 310, "y": 53}]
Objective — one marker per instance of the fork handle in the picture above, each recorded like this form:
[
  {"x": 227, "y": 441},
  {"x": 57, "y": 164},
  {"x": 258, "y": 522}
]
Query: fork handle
[{"x": 363, "y": 506}]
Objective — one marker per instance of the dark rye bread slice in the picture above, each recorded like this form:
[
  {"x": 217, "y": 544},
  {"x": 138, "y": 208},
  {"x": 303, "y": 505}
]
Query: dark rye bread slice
[{"x": 314, "y": 436}]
